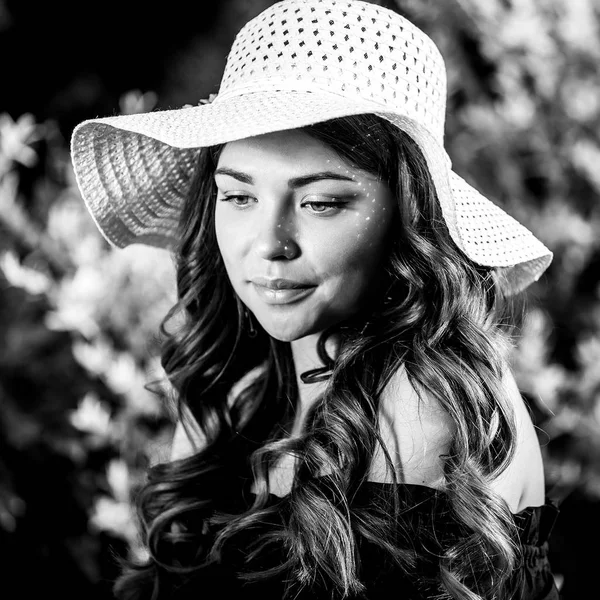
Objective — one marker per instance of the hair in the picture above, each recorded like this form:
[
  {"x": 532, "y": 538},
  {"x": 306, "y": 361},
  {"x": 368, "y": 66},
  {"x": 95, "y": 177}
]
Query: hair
[{"x": 440, "y": 315}]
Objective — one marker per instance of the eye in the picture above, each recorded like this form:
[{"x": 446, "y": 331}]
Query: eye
[
  {"x": 323, "y": 205},
  {"x": 238, "y": 200}
]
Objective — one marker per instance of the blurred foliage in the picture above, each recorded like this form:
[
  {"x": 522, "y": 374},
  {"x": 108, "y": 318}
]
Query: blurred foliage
[
  {"x": 78, "y": 324},
  {"x": 78, "y": 320}
]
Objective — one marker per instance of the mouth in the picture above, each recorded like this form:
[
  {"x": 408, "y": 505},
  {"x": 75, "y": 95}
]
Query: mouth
[
  {"x": 281, "y": 284},
  {"x": 282, "y": 291}
]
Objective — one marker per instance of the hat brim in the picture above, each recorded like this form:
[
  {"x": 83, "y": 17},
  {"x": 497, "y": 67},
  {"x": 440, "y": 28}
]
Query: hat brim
[{"x": 134, "y": 173}]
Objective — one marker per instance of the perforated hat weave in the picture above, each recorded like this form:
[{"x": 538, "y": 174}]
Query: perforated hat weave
[{"x": 297, "y": 63}]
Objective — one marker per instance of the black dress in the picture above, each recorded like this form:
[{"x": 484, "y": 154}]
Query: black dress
[{"x": 431, "y": 527}]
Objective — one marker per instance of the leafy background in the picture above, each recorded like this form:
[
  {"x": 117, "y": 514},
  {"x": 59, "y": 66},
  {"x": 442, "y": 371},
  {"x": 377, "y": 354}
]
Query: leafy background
[{"x": 78, "y": 319}]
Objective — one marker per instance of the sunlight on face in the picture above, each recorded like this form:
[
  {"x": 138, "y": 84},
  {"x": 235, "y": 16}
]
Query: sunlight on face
[{"x": 288, "y": 208}]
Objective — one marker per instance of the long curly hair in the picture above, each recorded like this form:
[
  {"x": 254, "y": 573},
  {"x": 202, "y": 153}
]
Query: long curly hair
[{"x": 441, "y": 316}]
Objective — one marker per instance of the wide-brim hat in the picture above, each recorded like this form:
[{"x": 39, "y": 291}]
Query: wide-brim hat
[{"x": 297, "y": 63}]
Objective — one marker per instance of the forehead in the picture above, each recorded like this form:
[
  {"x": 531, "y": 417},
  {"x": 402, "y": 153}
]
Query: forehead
[{"x": 294, "y": 150}]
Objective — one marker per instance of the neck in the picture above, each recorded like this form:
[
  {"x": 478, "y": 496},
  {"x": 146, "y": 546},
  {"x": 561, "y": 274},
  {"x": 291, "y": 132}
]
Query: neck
[{"x": 306, "y": 358}]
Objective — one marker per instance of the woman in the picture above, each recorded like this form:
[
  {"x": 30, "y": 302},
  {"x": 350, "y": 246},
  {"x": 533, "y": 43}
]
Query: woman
[{"x": 348, "y": 425}]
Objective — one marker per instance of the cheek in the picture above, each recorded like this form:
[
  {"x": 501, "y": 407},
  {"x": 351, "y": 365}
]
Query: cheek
[
  {"x": 229, "y": 242},
  {"x": 356, "y": 251},
  {"x": 371, "y": 230}
]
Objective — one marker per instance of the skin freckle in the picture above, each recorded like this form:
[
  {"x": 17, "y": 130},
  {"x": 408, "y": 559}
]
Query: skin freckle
[{"x": 322, "y": 253}]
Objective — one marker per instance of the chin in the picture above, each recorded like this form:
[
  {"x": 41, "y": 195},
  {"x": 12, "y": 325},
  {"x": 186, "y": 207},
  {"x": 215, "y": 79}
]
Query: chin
[
  {"x": 291, "y": 327},
  {"x": 286, "y": 334},
  {"x": 285, "y": 330}
]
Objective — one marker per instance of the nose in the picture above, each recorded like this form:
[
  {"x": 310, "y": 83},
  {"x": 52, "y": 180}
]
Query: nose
[{"x": 276, "y": 236}]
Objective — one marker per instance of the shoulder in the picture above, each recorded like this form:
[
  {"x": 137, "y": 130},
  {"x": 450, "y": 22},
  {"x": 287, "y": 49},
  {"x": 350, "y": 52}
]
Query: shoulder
[
  {"x": 522, "y": 483},
  {"x": 417, "y": 431}
]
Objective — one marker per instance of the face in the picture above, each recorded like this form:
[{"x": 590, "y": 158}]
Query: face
[{"x": 302, "y": 234}]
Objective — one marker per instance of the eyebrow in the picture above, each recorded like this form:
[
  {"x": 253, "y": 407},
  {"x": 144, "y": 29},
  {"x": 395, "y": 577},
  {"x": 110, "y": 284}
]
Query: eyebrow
[{"x": 295, "y": 182}]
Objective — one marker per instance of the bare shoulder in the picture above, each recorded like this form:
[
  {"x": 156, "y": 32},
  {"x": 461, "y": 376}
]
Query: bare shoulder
[
  {"x": 522, "y": 483},
  {"x": 417, "y": 432}
]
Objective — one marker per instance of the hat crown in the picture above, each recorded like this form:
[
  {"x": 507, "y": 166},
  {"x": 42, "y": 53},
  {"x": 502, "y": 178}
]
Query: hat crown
[{"x": 352, "y": 48}]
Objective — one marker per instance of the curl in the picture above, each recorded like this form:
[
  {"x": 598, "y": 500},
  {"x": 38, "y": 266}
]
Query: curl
[{"x": 437, "y": 313}]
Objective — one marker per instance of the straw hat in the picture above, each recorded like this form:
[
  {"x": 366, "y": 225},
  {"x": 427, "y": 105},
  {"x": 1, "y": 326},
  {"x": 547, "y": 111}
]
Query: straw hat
[{"x": 298, "y": 62}]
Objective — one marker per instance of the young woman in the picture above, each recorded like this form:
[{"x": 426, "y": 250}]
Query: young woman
[{"x": 348, "y": 424}]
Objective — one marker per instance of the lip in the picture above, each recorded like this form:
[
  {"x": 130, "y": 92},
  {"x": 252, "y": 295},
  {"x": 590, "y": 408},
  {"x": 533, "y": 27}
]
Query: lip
[
  {"x": 280, "y": 284},
  {"x": 283, "y": 295}
]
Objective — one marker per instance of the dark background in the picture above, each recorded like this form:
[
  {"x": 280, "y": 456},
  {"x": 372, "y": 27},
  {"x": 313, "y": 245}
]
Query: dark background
[{"x": 77, "y": 319}]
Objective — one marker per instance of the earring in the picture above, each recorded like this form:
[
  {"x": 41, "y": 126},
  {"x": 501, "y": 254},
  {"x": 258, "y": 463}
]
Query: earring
[{"x": 249, "y": 324}]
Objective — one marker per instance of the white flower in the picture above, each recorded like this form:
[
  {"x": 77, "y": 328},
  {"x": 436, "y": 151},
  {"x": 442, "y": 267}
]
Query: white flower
[
  {"x": 115, "y": 514},
  {"x": 96, "y": 357},
  {"x": 16, "y": 138},
  {"x": 209, "y": 100},
  {"x": 117, "y": 475},
  {"x": 69, "y": 224},
  {"x": 114, "y": 517},
  {"x": 134, "y": 102},
  {"x": 92, "y": 416},
  {"x": 586, "y": 158},
  {"x": 76, "y": 302},
  {"x": 23, "y": 277},
  {"x": 121, "y": 373}
]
